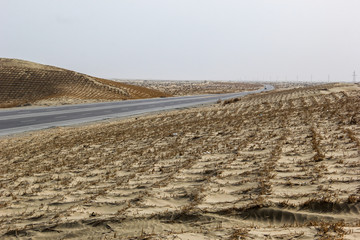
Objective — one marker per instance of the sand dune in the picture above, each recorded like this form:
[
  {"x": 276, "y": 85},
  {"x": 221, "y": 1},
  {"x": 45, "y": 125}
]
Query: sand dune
[
  {"x": 183, "y": 88},
  {"x": 276, "y": 165},
  {"x": 25, "y": 83}
]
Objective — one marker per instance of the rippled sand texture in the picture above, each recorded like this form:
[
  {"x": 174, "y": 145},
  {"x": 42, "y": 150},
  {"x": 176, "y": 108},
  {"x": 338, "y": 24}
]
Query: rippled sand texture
[{"x": 277, "y": 165}]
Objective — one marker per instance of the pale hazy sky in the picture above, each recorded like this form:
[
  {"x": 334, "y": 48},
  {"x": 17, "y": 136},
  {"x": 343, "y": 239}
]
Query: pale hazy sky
[{"x": 187, "y": 39}]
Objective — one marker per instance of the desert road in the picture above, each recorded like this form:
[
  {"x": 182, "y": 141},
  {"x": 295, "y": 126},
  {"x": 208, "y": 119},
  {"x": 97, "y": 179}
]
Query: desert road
[{"x": 22, "y": 120}]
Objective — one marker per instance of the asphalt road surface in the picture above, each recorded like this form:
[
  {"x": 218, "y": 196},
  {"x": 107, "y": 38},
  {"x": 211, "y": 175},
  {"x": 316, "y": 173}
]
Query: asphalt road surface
[{"x": 22, "y": 120}]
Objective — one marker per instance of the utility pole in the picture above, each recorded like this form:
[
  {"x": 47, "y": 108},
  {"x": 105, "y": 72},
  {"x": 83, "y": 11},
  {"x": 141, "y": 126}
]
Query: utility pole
[{"x": 354, "y": 77}]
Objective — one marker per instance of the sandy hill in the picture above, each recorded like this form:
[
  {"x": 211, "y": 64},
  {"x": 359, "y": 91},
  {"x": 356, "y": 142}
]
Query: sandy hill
[{"x": 23, "y": 82}]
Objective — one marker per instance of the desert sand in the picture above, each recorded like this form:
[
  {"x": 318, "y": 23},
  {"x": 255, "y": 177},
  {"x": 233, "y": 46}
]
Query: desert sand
[{"x": 278, "y": 165}]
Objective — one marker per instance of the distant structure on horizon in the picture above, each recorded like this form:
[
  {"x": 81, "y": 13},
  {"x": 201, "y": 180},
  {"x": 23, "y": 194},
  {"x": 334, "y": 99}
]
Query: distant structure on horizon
[{"x": 354, "y": 77}]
